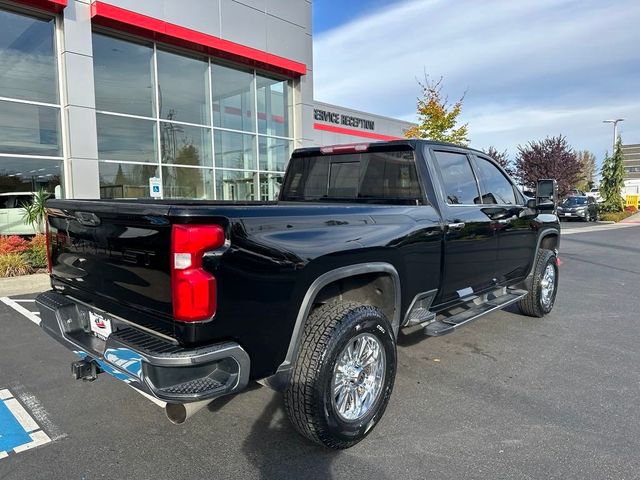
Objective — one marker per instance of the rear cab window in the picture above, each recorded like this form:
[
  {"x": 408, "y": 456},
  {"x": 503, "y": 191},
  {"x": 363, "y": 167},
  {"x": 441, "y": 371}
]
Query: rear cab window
[
  {"x": 387, "y": 177},
  {"x": 458, "y": 181}
]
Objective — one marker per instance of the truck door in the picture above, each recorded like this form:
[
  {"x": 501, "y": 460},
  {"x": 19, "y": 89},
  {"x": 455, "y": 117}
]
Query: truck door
[
  {"x": 470, "y": 243},
  {"x": 510, "y": 219}
]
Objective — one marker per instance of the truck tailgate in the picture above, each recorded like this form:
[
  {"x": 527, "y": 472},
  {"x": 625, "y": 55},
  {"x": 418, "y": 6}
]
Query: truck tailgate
[{"x": 113, "y": 251}]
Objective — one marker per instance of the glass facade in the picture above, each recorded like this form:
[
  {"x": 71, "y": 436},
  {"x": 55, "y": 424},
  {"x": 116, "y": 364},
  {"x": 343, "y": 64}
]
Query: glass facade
[
  {"x": 208, "y": 130},
  {"x": 30, "y": 125}
]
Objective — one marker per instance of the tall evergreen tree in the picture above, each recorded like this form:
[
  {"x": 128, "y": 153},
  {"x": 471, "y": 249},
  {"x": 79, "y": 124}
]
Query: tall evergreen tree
[{"x": 612, "y": 180}]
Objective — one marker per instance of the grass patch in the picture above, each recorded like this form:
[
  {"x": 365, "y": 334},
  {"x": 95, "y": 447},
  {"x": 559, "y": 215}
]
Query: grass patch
[{"x": 14, "y": 265}]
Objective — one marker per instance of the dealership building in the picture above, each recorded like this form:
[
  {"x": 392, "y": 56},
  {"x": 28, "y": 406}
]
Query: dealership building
[
  {"x": 201, "y": 99},
  {"x": 631, "y": 159}
]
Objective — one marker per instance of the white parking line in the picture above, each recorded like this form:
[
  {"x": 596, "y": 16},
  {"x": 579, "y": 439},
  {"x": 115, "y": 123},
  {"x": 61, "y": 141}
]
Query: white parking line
[
  {"x": 21, "y": 415},
  {"x": 11, "y": 437},
  {"x": 19, "y": 308},
  {"x": 37, "y": 438},
  {"x": 596, "y": 228},
  {"x": 24, "y": 300}
]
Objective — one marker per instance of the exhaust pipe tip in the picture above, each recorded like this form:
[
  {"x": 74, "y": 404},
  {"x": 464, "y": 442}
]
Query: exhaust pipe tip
[{"x": 178, "y": 413}]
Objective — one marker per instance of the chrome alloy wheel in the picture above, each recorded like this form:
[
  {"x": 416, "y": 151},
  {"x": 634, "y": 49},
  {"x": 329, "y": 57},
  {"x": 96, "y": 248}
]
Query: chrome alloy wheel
[
  {"x": 358, "y": 377},
  {"x": 547, "y": 286}
]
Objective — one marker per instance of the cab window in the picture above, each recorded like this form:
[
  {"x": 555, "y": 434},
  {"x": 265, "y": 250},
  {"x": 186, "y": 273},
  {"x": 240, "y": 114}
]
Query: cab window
[
  {"x": 496, "y": 188},
  {"x": 458, "y": 181}
]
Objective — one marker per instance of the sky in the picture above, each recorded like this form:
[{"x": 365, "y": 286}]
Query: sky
[{"x": 530, "y": 68}]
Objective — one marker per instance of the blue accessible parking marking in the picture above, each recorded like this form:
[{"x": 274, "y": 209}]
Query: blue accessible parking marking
[{"x": 18, "y": 430}]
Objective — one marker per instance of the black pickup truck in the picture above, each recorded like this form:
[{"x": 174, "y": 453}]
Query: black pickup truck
[{"x": 190, "y": 300}]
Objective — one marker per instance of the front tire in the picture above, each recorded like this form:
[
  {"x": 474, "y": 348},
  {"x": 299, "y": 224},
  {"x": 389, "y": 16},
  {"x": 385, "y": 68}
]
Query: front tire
[
  {"x": 343, "y": 376},
  {"x": 544, "y": 286}
]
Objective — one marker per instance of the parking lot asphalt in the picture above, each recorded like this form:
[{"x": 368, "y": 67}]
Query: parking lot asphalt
[{"x": 506, "y": 397}]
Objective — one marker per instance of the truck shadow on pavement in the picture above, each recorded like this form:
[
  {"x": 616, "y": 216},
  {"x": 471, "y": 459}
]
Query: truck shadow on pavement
[{"x": 276, "y": 450}]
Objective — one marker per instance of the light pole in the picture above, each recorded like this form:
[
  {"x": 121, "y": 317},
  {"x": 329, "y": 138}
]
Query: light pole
[{"x": 615, "y": 131}]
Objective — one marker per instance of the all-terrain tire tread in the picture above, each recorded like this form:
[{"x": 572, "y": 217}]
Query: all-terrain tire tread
[
  {"x": 530, "y": 304},
  {"x": 298, "y": 397}
]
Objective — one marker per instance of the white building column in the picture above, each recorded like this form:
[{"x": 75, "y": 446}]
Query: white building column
[{"x": 78, "y": 101}]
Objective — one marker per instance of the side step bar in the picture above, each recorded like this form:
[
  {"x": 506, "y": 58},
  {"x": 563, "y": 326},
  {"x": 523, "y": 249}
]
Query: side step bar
[{"x": 448, "y": 322}]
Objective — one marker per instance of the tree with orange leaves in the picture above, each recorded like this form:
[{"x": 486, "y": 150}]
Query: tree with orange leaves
[{"x": 437, "y": 118}]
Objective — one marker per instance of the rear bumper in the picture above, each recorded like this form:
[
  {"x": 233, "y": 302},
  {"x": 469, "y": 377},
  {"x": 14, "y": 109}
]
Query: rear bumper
[
  {"x": 146, "y": 361},
  {"x": 572, "y": 214}
]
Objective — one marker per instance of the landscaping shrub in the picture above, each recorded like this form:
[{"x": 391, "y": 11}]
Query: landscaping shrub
[
  {"x": 13, "y": 244},
  {"x": 14, "y": 265},
  {"x": 614, "y": 216},
  {"x": 631, "y": 209},
  {"x": 37, "y": 252}
]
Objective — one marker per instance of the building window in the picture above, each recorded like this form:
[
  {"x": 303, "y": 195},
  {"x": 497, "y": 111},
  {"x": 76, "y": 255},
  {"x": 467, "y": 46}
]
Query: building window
[
  {"x": 30, "y": 125},
  {"x": 212, "y": 131},
  {"x": 123, "y": 76}
]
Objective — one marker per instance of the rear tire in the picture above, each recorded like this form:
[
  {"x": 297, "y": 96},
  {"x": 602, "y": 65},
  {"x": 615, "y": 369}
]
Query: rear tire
[
  {"x": 544, "y": 286},
  {"x": 311, "y": 402}
]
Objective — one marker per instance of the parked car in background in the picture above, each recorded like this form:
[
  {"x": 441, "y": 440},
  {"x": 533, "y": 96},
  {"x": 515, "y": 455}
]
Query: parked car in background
[
  {"x": 12, "y": 212},
  {"x": 581, "y": 207},
  {"x": 595, "y": 194},
  {"x": 574, "y": 192}
]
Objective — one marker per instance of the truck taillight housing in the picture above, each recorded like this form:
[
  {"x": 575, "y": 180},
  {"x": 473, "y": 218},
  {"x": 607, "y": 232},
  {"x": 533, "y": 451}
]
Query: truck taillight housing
[
  {"x": 194, "y": 290},
  {"x": 48, "y": 245}
]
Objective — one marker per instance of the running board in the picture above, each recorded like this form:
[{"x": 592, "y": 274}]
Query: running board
[{"x": 447, "y": 323}]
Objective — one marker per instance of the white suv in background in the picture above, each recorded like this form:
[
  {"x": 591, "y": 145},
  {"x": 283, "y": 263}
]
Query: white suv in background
[
  {"x": 595, "y": 193},
  {"x": 12, "y": 211}
]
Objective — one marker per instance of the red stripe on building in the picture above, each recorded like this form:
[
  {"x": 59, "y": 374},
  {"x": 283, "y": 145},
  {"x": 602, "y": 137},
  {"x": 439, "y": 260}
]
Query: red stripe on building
[
  {"x": 121, "y": 19},
  {"x": 54, "y": 6},
  {"x": 355, "y": 133}
]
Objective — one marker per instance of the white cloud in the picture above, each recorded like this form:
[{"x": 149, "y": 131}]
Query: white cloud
[{"x": 530, "y": 68}]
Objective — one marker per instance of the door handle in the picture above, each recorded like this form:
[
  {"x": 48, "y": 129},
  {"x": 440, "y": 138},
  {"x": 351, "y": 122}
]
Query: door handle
[
  {"x": 511, "y": 219},
  {"x": 456, "y": 226}
]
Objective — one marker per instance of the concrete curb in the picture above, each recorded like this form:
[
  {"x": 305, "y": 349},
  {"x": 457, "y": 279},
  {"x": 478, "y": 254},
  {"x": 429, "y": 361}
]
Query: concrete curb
[
  {"x": 635, "y": 218},
  {"x": 36, "y": 283},
  {"x": 606, "y": 222}
]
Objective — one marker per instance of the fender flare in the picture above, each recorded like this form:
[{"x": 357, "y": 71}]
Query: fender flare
[
  {"x": 281, "y": 377},
  {"x": 545, "y": 233}
]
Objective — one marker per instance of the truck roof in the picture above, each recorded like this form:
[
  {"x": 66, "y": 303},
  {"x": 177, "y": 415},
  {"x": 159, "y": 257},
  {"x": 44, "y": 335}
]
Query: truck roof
[{"x": 409, "y": 143}]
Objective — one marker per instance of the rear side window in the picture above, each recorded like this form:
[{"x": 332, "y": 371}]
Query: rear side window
[
  {"x": 374, "y": 177},
  {"x": 458, "y": 181},
  {"x": 496, "y": 189}
]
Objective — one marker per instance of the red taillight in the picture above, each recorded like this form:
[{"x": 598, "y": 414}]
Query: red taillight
[
  {"x": 193, "y": 288},
  {"x": 48, "y": 239}
]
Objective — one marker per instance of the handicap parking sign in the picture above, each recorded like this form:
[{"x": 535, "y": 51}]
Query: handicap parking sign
[{"x": 155, "y": 187}]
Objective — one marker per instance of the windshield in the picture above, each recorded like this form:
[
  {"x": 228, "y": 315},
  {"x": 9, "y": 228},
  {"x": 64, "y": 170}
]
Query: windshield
[
  {"x": 573, "y": 201},
  {"x": 373, "y": 177}
]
